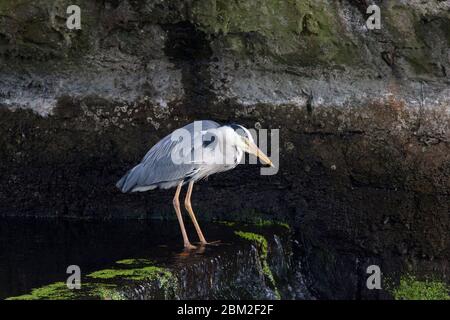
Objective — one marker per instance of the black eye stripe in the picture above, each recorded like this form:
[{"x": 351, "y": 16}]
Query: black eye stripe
[
  {"x": 239, "y": 130},
  {"x": 208, "y": 140},
  {"x": 235, "y": 126}
]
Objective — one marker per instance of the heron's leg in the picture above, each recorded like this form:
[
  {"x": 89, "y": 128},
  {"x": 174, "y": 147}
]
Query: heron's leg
[
  {"x": 176, "y": 205},
  {"x": 187, "y": 204}
]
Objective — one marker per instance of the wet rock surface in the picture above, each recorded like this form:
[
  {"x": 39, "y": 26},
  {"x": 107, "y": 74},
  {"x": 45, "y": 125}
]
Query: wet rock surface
[
  {"x": 147, "y": 262},
  {"x": 364, "y": 172}
]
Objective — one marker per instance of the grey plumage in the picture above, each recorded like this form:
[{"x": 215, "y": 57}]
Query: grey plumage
[{"x": 157, "y": 170}]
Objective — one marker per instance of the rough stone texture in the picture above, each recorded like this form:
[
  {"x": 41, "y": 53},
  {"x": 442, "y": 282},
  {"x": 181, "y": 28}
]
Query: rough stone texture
[
  {"x": 146, "y": 260},
  {"x": 363, "y": 116}
]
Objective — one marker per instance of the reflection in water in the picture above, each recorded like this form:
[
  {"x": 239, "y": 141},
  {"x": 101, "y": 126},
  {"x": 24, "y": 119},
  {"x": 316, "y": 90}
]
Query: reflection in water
[{"x": 37, "y": 252}]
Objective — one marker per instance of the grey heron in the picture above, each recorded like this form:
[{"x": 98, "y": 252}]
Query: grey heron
[{"x": 188, "y": 155}]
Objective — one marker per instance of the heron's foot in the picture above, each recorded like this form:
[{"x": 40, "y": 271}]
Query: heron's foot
[
  {"x": 189, "y": 246},
  {"x": 212, "y": 243}
]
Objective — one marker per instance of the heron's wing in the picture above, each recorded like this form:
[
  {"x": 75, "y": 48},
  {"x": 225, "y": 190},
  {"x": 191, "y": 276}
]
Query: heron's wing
[
  {"x": 158, "y": 167},
  {"x": 165, "y": 146}
]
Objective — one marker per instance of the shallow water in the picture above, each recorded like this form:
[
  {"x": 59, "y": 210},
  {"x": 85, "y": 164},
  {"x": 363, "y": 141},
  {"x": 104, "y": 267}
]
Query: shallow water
[{"x": 36, "y": 252}]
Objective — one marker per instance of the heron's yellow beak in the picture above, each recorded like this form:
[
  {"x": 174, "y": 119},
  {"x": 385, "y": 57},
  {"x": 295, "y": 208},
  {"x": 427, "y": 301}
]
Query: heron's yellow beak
[{"x": 253, "y": 149}]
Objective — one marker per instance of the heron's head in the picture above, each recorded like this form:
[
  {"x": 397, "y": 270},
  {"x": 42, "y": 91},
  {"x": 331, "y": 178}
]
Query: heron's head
[{"x": 245, "y": 142}]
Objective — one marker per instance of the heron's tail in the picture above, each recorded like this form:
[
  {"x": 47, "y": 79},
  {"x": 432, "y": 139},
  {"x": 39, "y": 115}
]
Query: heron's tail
[{"x": 128, "y": 181}]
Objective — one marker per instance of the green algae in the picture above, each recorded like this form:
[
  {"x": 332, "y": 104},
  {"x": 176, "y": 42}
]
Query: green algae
[
  {"x": 227, "y": 223},
  {"x": 135, "y": 262},
  {"x": 300, "y": 32},
  {"x": 105, "y": 289},
  {"x": 164, "y": 278},
  {"x": 269, "y": 17},
  {"x": 54, "y": 291},
  {"x": 108, "y": 293},
  {"x": 60, "y": 291},
  {"x": 258, "y": 222},
  {"x": 148, "y": 272},
  {"x": 412, "y": 289},
  {"x": 271, "y": 223},
  {"x": 260, "y": 240},
  {"x": 262, "y": 245}
]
